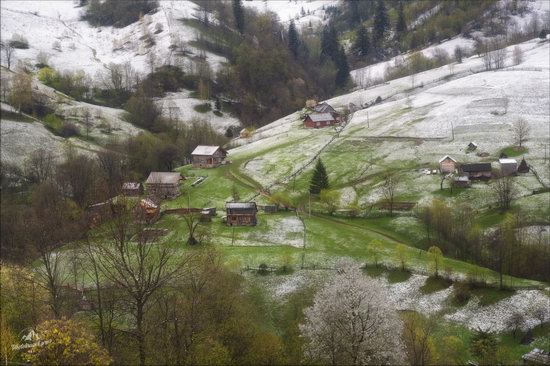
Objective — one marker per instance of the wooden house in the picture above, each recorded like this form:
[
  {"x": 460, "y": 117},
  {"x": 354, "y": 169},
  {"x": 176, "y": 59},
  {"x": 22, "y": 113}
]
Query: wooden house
[
  {"x": 132, "y": 189},
  {"x": 536, "y": 357},
  {"x": 147, "y": 211},
  {"x": 208, "y": 156},
  {"x": 477, "y": 171},
  {"x": 163, "y": 184},
  {"x": 447, "y": 164},
  {"x": 319, "y": 120},
  {"x": 508, "y": 166},
  {"x": 327, "y": 108},
  {"x": 523, "y": 167},
  {"x": 241, "y": 213}
]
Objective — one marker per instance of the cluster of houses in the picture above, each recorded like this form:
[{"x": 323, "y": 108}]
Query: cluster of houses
[
  {"x": 465, "y": 173},
  {"x": 320, "y": 115},
  {"x": 166, "y": 185}
]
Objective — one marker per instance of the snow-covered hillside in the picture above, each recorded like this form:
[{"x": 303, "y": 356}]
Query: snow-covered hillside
[{"x": 302, "y": 12}]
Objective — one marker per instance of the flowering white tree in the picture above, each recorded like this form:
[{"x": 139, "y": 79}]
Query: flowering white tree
[{"x": 352, "y": 323}]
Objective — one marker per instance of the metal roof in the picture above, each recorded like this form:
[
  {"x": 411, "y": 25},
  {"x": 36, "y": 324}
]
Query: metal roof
[
  {"x": 205, "y": 150},
  {"x": 318, "y": 117},
  {"x": 323, "y": 108},
  {"x": 479, "y": 167},
  {"x": 240, "y": 205},
  {"x": 507, "y": 161},
  {"x": 446, "y": 157},
  {"x": 146, "y": 202},
  {"x": 163, "y": 178}
]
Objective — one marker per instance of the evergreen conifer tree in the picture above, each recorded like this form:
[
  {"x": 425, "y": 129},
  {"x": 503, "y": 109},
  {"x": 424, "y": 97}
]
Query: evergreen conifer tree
[
  {"x": 380, "y": 21},
  {"x": 401, "y": 26},
  {"x": 362, "y": 43},
  {"x": 293, "y": 40},
  {"x": 341, "y": 62},
  {"x": 238, "y": 13},
  {"x": 319, "y": 181}
]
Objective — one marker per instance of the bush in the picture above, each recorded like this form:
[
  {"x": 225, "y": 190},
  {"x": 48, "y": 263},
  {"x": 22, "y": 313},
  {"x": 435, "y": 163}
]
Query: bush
[
  {"x": 165, "y": 79},
  {"x": 68, "y": 130},
  {"x": 53, "y": 122},
  {"x": 461, "y": 292},
  {"x": 117, "y": 13},
  {"x": 263, "y": 269},
  {"x": 203, "y": 108},
  {"x": 18, "y": 41},
  {"x": 218, "y": 113}
]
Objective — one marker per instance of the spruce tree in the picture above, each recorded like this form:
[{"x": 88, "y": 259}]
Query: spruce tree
[
  {"x": 362, "y": 43},
  {"x": 342, "y": 74},
  {"x": 380, "y": 21},
  {"x": 293, "y": 40},
  {"x": 401, "y": 26},
  {"x": 329, "y": 43},
  {"x": 238, "y": 13},
  {"x": 319, "y": 180}
]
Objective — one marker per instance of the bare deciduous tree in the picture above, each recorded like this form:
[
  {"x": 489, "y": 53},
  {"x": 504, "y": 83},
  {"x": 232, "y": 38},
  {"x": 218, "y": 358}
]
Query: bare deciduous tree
[
  {"x": 389, "y": 189},
  {"x": 517, "y": 55},
  {"x": 505, "y": 191},
  {"x": 350, "y": 322},
  {"x": 521, "y": 130},
  {"x": 40, "y": 166},
  {"x": 9, "y": 52},
  {"x": 417, "y": 336}
]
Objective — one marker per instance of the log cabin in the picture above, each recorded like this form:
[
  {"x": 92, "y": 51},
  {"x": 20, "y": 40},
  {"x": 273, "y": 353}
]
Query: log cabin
[
  {"x": 447, "y": 164},
  {"x": 241, "y": 213},
  {"x": 208, "y": 156},
  {"x": 163, "y": 184}
]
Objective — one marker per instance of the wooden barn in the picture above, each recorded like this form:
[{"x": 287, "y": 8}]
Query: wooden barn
[
  {"x": 327, "y": 108},
  {"x": 319, "y": 120},
  {"x": 461, "y": 181},
  {"x": 208, "y": 156},
  {"x": 241, "y": 213},
  {"x": 508, "y": 166},
  {"x": 163, "y": 184},
  {"x": 147, "y": 211},
  {"x": 132, "y": 189},
  {"x": 447, "y": 164},
  {"x": 477, "y": 171}
]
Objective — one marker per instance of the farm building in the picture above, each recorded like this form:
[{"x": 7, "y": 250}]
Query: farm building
[
  {"x": 447, "y": 164},
  {"x": 319, "y": 120},
  {"x": 327, "y": 108},
  {"x": 508, "y": 166},
  {"x": 462, "y": 181},
  {"x": 477, "y": 171},
  {"x": 163, "y": 184},
  {"x": 132, "y": 189},
  {"x": 241, "y": 213},
  {"x": 472, "y": 146},
  {"x": 208, "y": 156},
  {"x": 523, "y": 167},
  {"x": 147, "y": 211}
]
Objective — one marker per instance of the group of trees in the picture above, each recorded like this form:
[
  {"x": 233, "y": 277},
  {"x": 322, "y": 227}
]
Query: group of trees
[
  {"x": 117, "y": 13},
  {"x": 508, "y": 249}
]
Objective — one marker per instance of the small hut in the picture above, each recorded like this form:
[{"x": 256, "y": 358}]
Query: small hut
[
  {"x": 508, "y": 166},
  {"x": 147, "y": 211},
  {"x": 472, "y": 146},
  {"x": 536, "y": 357},
  {"x": 461, "y": 181},
  {"x": 132, "y": 189},
  {"x": 523, "y": 167},
  {"x": 241, "y": 213},
  {"x": 447, "y": 164}
]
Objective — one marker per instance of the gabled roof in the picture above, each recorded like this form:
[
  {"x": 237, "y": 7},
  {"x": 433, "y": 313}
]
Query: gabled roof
[
  {"x": 240, "y": 205},
  {"x": 163, "y": 178},
  {"x": 147, "y": 202},
  {"x": 473, "y": 144},
  {"x": 318, "y": 117},
  {"x": 478, "y": 167},
  {"x": 507, "y": 161},
  {"x": 206, "y": 150},
  {"x": 446, "y": 157},
  {"x": 324, "y": 108}
]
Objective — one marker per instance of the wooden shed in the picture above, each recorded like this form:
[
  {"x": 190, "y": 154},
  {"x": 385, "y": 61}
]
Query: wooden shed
[
  {"x": 536, "y": 357},
  {"x": 208, "y": 156},
  {"x": 461, "y": 181},
  {"x": 163, "y": 184},
  {"x": 319, "y": 120},
  {"x": 147, "y": 211},
  {"x": 447, "y": 164},
  {"x": 472, "y": 146},
  {"x": 477, "y": 171},
  {"x": 523, "y": 167},
  {"x": 508, "y": 166},
  {"x": 132, "y": 189},
  {"x": 241, "y": 213}
]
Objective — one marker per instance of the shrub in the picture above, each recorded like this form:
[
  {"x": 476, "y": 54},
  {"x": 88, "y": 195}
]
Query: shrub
[
  {"x": 461, "y": 292},
  {"x": 203, "y": 108},
  {"x": 263, "y": 269},
  {"x": 117, "y": 13},
  {"x": 68, "y": 130},
  {"x": 218, "y": 113},
  {"x": 18, "y": 41},
  {"x": 53, "y": 122}
]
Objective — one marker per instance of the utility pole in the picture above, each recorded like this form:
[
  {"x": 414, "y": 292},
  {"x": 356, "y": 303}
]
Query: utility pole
[{"x": 368, "y": 122}]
